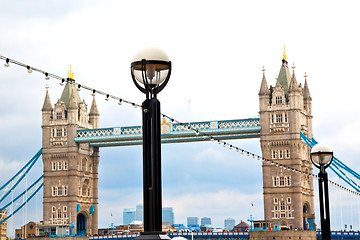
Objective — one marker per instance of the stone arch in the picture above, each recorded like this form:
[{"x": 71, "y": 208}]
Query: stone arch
[
  {"x": 283, "y": 225},
  {"x": 81, "y": 224},
  {"x": 306, "y": 209}
]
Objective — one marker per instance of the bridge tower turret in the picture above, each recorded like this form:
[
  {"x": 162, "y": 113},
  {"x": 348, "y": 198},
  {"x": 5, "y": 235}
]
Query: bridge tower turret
[
  {"x": 70, "y": 169},
  {"x": 285, "y": 110}
]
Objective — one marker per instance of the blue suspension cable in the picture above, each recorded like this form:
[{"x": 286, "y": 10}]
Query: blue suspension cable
[
  {"x": 19, "y": 196},
  {"x": 337, "y": 166},
  {"x": 22, "y": 205},
  {"x": 38, "y": 154},
  {"x": 35, "y": 157}
]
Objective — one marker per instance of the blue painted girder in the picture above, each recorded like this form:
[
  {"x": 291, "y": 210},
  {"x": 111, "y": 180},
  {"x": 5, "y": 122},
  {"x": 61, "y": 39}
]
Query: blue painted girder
[{"x": 172, "y": 132}]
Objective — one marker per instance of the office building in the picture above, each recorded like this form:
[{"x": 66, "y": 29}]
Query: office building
[
  {"x": 168, "y": 215},
  {"x": 139, "y": 212},
  {"x": 192, "y": 221},
  {"x": 129, "y": 215},
  {"x": 206, "y": 221},
  {"x": 229, "y": 224}
]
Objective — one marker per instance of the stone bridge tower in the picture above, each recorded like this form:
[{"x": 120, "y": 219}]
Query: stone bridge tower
[
  {"x": 285, "y": 110},
  {"x": 70, "y": 169}
]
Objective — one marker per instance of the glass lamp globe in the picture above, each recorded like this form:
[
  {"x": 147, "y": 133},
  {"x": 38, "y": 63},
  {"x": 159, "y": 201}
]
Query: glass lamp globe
[
  {"x": 321, "y": 154},
  {"x": 150, "y": 66}
]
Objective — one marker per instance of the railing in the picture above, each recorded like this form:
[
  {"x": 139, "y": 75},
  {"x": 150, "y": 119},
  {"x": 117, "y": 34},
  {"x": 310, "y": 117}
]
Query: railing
[{"x": 219, "y": 235}]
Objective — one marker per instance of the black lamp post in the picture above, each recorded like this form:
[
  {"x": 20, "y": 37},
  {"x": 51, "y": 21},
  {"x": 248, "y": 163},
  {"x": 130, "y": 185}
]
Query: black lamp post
[
  {"x": 150, "y": 71},
  {"x": 322, "y": 156}
]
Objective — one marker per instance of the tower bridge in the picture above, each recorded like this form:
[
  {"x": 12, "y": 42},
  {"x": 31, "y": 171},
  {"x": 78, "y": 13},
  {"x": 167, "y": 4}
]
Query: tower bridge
[{"x": 72, "y": 138}]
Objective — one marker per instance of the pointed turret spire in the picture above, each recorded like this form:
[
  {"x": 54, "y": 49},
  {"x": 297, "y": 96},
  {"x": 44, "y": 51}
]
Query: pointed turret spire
[
  {"x": 47, "y": 103},
  {"x": 73, "y": 104},
  {"x": 94, "y": 110},
  {"x": 264, "y": 90},
  {"x": 306, "y": 89},
  {"x": 293, "y": 83},
  {"x": 284, "y": 75},
  {"x": 68, "y": 89}
]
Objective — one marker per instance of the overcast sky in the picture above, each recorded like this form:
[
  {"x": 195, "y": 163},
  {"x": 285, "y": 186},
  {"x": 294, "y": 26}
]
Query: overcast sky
[{"x": 218, "y": 50}]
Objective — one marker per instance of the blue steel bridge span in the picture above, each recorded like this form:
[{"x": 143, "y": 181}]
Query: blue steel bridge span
[{"x": 172, "y": 132}]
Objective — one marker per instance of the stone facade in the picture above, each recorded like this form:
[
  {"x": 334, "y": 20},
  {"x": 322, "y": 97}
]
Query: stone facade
[
  {"x": 285, "y": 110},
  {"x": 3, "y": 226},
  {"x": 70, "y": 169},
  {"x": 26, "y": 231},
  {"x": 282, "y": 235}
]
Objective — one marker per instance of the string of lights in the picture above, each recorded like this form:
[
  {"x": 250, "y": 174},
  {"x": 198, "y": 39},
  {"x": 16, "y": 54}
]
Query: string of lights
[
  {"x": 173, "y": 120},
  {"x": 62, "y": 80}
]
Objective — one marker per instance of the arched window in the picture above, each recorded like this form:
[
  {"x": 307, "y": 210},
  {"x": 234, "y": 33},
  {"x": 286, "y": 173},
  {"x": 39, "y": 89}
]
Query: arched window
[{"x": 85, "y": 188}]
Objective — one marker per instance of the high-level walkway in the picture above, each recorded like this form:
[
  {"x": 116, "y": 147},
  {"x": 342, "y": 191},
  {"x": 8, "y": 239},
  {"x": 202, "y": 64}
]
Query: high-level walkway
[{"x": 172, "y": 132}]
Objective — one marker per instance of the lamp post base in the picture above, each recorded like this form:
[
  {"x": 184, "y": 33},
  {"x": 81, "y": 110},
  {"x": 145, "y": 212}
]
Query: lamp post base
[{"x": 153, "y": 236}]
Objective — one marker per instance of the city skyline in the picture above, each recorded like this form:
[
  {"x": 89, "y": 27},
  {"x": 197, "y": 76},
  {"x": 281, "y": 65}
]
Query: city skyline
[{"x": 99, "y": 42}]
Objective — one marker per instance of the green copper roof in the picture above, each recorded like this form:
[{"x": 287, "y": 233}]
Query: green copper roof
[
  {"x": 284, "y": 76},
  {"x": 65, "y": 96}
]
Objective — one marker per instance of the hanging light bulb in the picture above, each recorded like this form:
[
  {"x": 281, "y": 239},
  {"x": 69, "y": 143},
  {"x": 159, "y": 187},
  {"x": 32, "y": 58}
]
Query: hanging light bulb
[
  {"x": 204, "y": 135},
  {"x": 211, "y": 139},
  {"x": 242, "y": 151},
  {"x": 197, "y": 132},
  {"x": 62, "y": 82},
  {"x": 29, "y": 70},
  {"x": 247, "y": 153},
  {"x": 230, "y": 147},
  {"x": 224, "y": 144},
  {"x": 253, "y": 155},
  {"x": 237, "y": 149},
  {"x": 47, "y": 76},
  {"x": 219, "y": 142},
  {"x": 134, "y": 105},
  {"x": 79, "y": 87},
  {"x": 7, "y": 62},
  {"x": 107, "y": 97},
  {"x": 120, "y": 101},
  {"x": 93, "y": 92}
]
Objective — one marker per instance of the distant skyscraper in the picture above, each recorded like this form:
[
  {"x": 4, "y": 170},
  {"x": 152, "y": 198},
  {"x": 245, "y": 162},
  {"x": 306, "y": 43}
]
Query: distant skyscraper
[
  {"x": 192, "y": 221},
  {"x": 229, "y": 223},
  {"x": 205, "y": 221},
  {"x": 168, "y": 215},
  {"x": 139, "y": 212},
  {"x": 129, "y": 215}
]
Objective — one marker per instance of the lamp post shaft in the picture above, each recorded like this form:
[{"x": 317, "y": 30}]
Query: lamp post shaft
[
  {"x": 152, "y": 166},
  {"x": 324, "y": 205}
]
